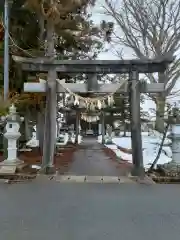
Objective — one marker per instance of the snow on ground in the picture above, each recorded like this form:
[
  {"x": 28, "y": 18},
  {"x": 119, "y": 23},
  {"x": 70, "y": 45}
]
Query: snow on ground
[
  {"x": 33, "y": 142},
  {"x": 150, "y": 145}
]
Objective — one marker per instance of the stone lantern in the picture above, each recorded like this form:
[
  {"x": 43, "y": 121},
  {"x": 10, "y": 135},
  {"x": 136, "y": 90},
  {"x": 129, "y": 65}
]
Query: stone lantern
[
  {"x": 12, "y": 134},
  {"x": 174, "y": 121}
]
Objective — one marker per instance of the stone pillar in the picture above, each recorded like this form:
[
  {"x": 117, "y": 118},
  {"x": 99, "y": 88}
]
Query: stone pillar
[
  {"x": 99, "y": 128},
  {"x": 71, "y": 134},
  {"x": 77, "y": 126},
  {"x": 103, "y": 127}
]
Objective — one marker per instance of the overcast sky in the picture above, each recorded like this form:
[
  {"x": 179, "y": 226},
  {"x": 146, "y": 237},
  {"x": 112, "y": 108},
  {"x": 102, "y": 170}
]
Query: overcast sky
[{"x": 97, "y": 17}]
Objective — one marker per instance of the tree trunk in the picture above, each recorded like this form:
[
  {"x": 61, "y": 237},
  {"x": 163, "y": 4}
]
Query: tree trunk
[
  {"x": 40, "y": 129},
  {"x": 160, "y": 111},
  {"x": 160, "y": 149}
]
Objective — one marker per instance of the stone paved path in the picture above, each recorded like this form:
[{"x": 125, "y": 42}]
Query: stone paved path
[{"x": 91, "y": 160}]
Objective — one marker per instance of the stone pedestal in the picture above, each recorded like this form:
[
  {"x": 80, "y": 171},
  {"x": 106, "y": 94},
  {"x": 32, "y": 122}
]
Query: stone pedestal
[{"x": 12, "y": 148}]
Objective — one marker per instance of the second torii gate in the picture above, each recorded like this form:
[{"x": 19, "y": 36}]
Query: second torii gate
[{"x": 132, "y": 67}]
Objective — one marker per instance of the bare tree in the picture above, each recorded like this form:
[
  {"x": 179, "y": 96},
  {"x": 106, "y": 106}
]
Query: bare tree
[{"x": 151, "y": 29}]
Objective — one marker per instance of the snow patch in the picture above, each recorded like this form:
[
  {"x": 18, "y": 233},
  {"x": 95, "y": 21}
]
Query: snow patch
[{"x": 150, "y": 145}]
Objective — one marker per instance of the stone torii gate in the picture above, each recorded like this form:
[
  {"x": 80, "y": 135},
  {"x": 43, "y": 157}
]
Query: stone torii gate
[{"x": 134, "y": 88}]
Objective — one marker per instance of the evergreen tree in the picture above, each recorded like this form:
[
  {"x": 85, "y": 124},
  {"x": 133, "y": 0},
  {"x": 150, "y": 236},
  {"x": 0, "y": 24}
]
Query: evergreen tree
[{"x": 77, "y": 37}]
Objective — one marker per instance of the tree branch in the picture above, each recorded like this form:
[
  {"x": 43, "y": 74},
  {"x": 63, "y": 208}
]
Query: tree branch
[{"x": 151, "y": 28}]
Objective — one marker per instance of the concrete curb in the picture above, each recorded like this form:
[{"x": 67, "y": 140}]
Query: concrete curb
[{"x": 93, "y": 179}]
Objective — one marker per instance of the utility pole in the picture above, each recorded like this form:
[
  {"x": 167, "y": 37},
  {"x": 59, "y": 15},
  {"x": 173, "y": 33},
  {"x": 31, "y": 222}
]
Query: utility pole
[
  {"x": 6, "y": 62},
  {"x": 6, "y": 49}
]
